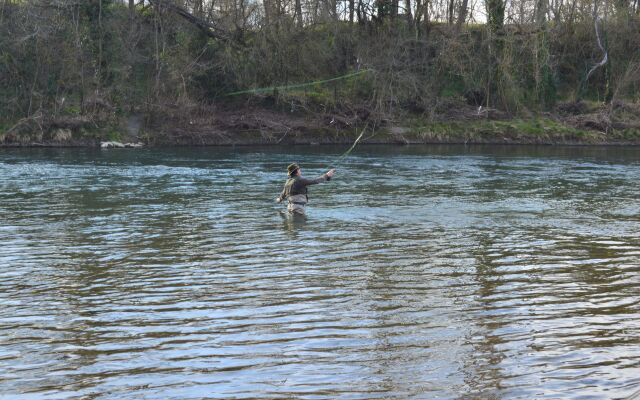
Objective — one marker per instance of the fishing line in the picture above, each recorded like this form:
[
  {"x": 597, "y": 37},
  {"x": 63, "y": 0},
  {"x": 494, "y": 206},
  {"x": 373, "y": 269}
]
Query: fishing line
[
  {"x": 353, "y": 146},
  {"x": 296, "y": 86},
  {"x": 301, "y": 85}
]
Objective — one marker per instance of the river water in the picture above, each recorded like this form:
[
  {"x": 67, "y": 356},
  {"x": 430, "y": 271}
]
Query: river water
[{"x": 420, "y": 272}]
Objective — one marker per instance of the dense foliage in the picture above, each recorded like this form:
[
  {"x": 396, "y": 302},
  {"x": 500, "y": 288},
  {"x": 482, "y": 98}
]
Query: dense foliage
[{"x": 65, "y": 58}]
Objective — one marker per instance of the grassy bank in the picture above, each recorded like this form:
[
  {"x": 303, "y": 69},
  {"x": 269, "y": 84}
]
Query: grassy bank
[
  {"x": 521, "y": 131},
  {"x": 272, "y": 126}
]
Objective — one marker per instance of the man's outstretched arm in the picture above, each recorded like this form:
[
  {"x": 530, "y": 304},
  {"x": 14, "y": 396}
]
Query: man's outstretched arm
[{"x": 322, "y": 178}]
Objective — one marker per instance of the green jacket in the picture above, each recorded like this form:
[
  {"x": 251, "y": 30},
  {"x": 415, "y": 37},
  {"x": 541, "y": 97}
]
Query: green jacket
[{"x": 297, "y": 185}]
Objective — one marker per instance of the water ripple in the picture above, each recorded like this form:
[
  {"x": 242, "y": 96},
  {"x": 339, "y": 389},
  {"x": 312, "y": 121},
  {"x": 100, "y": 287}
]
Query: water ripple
[{"x": 440, "y": 272}]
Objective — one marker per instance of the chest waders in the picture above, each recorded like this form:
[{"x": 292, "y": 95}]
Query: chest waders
[
  {"x": 295, "y": 191},
  {"x": 297, "y": 200}
]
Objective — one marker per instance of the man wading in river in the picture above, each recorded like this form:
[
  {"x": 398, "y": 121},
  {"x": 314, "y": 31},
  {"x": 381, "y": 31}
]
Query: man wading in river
[{"x": 295, "y": 189}]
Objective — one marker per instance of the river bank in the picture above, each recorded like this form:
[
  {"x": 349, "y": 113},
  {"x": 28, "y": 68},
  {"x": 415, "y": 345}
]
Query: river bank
[{"x": 569, "y": 124}]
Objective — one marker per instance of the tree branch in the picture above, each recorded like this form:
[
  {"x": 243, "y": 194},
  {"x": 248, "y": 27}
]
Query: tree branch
[
  {"x": 604, "y": 59},
  {"x": 206, "y": 27}
]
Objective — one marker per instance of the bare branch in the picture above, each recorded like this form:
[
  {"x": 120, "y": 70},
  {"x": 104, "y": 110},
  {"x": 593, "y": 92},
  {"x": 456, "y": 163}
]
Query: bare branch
[
  {"x": 605, "y": 58},
  {"x": 206, "y": 27}
]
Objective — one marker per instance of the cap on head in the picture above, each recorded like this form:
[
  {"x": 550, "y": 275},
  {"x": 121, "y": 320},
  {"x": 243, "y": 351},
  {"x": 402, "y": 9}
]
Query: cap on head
[{"x": 292, "y": 168}]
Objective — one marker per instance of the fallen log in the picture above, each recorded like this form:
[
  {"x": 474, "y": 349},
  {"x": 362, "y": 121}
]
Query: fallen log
[{"x": 206, "y": 27}]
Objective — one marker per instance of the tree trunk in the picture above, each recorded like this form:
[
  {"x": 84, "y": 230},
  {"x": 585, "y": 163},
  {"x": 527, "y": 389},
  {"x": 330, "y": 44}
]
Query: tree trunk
[
  {"x": 495, "y": 15},
  {"x": 573, "y": 12},
  {"x": 450, "y": 13},
  {"x": 79, "y": 55},
  {"x": 380, "y": 5},
  {"x": 351, "y": 9},
  {"x": 298, "y": 6},
  {"x": 157, "y": 27},
  {"x": 426, "y": 17},
  {"x": 198, "y": 9},
  {"x": 557, "y": 11},
  {"x": 495, "y": 23},
  {"x": 542, "y": 7},
  {"x": 605, "y": 57},
  {"x": 418, "y": 17},
  {"x": 545, "y": 85},
  {"x": 267, "y": 11},
  {"x": 608, "y": 71},
  {"x": 462, "y": 14},
  {"x": 623, "y": 7},
  {"x": 99, "y": 74}
]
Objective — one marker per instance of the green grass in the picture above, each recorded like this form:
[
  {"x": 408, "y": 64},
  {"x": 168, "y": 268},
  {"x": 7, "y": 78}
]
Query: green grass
[
  {"x": 525, "y": 130},
  {"x": 630, "y": 134}
]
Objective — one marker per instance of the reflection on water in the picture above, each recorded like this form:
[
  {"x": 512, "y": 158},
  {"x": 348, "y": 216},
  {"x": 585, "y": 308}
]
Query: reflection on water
[{"x": 427, "y": 272}]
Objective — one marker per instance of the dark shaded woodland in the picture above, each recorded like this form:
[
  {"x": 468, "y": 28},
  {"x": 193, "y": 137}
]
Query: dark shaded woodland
[{"x": 85, "y": 66}]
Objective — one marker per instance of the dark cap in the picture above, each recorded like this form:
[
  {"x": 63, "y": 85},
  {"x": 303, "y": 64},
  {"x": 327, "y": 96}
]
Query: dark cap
[{"x": 292, "y": 168}]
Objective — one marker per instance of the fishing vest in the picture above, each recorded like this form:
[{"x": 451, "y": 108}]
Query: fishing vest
[{"x": 291, "y": 189}]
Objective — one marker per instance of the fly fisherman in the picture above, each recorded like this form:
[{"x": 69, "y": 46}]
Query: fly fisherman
[{"x": 295, "y": 189}]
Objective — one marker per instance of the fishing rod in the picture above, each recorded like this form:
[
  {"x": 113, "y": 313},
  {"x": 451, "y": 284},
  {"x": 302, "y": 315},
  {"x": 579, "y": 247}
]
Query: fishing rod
[
  {"x": 344, "y": 155},
  {"x": 300, "y": 85}
]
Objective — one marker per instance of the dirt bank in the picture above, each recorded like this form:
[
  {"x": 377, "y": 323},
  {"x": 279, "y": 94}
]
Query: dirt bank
[{"x": 570, "y": 123}]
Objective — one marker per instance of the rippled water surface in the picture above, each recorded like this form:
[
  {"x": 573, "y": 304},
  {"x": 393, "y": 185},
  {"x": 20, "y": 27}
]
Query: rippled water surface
[{"x": 420, "y": 272}]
